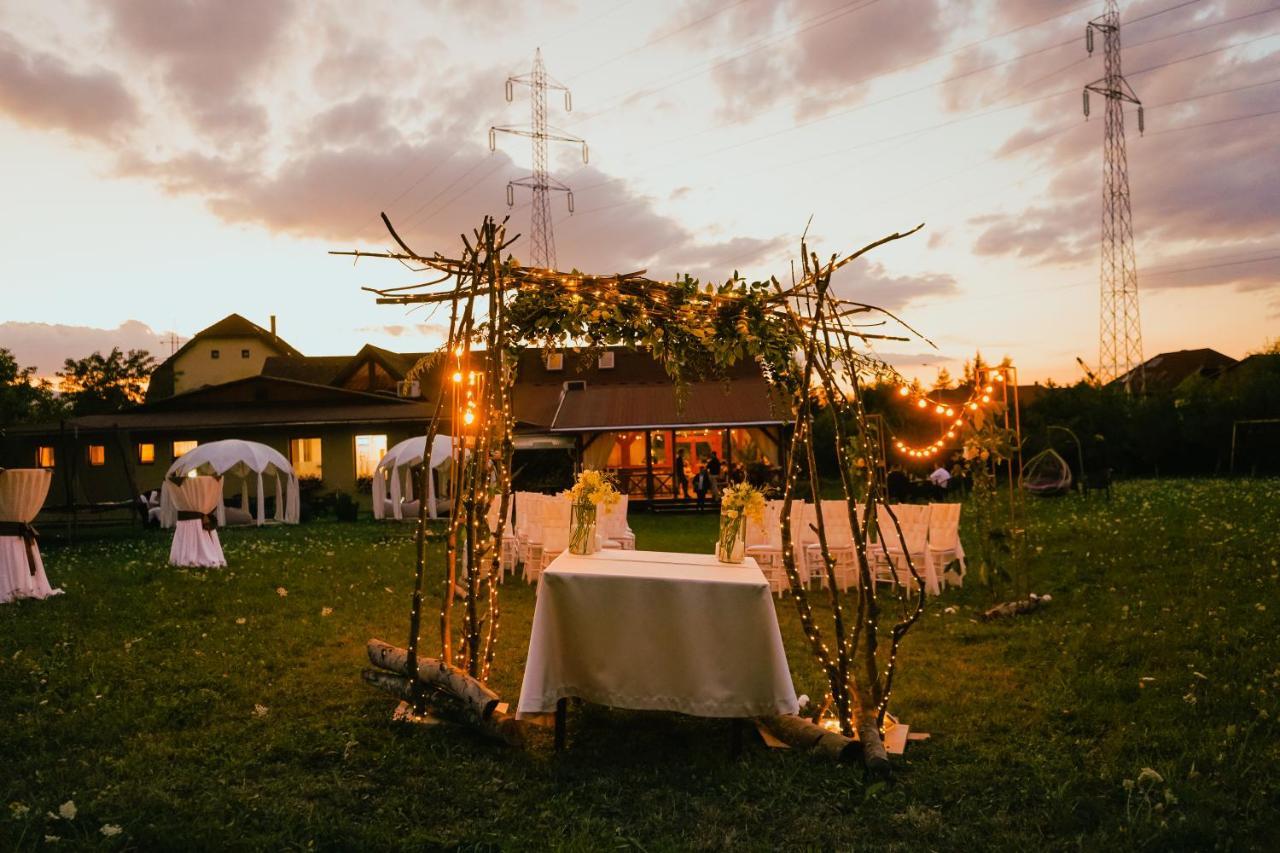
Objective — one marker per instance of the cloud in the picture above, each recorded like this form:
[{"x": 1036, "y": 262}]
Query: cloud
[
  {"x": 209, "y": 52},
  {"x": 46, "y": 345},
  {"x": 868, "y": 281},
  {"x": 43, "y": 91}
]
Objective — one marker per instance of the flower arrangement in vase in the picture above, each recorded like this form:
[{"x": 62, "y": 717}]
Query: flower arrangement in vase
[
  {"x": 738, "y": 503},
  {"x": 593, "y": 488}
]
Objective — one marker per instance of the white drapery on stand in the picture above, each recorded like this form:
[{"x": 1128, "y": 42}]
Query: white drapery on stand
[
  {"x": 239, "y": 458},
  {"x": 193, "y": 544},
  {"x": 22, "y": 493},
  {"x": 395, "y": 474}
]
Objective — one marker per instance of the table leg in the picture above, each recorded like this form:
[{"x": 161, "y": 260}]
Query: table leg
[
  {"x": 562, "y": 707},
  {"x": 735, "y": 737}
]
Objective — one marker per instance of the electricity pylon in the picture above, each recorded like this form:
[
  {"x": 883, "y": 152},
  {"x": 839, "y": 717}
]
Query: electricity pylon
[
  {"x": 1120, "y": 327},
  {"x": 541, "y": 237}
]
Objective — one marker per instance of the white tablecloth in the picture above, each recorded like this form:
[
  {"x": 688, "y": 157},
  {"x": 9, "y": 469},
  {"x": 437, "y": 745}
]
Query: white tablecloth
[
  {"x": 22, "y": 493},
  {"x": 657, "y": 631},
  {"x": 192, "y": 544}
]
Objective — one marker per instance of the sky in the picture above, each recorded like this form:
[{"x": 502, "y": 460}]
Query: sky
[{"x": 167, "y": 162}]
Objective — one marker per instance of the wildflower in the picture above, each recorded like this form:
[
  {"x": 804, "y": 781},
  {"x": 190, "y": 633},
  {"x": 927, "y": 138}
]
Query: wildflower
[
  {"x": 67, "y": 810},
  {"x": 326, "y": 611},
  {"x": 1149, "y": 775},
  {"x": 110, "y": 830},
  {"x": 240, "y": 620},
  {"x": 260, "y": 710},
  {"x": 19, "y": 810},
  {"x": 281, "y": 591}
]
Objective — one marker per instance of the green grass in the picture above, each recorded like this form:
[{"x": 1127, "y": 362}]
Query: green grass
[{"x": 134, "y": 696}]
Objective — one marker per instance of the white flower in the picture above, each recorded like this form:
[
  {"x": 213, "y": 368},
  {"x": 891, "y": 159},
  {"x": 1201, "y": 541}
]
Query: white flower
[
  {"x": 19, "y": 810},
  {"x": 109, "y": 830},
  {"x": 1149, "y": 775},
  {"x": 326, "y": 611},
  {"x": 67, "y": 810},
  {"x": 281, "y": 591},
  {"x": 260, "y": 710}
]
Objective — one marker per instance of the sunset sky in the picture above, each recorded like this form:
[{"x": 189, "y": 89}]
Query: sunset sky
[{"x": 167, "y": 162}]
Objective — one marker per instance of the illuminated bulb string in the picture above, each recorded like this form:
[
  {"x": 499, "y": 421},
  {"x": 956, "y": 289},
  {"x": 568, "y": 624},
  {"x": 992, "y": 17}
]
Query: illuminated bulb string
[{"x": 979, "y": 397}]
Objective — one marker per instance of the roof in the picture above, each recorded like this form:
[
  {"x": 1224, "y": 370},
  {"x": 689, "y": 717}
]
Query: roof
[
  {"x": 317, "y": 369},
  {"x": 1166, "y": 371},
  {"x": 193, "y": 420},
  {"x": 734, "y": 402},
  {"x": 231, "y": 326}
]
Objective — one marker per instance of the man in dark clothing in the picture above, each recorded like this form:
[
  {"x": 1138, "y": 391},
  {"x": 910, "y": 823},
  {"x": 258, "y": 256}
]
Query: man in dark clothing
[
  {"x": 702, "y": 485},
  {"x": 682, "y": 479}
]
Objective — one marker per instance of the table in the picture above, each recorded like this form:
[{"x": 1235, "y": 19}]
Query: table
[
  {"x": 22, "y": 494},
  {"x": 651, "y": 630},
  {"x": 196, "y": 500}
]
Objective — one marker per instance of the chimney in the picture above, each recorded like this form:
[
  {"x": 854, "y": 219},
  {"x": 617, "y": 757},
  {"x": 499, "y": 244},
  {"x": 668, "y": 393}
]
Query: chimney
[{"x": 273, "y": 327}]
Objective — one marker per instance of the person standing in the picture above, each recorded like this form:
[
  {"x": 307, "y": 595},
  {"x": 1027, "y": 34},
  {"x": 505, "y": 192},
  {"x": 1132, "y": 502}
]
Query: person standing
[
  {"x": 702, "y": 485},
  {"x": 682, "y": 479},
  {"x": 713, "y": 470}
]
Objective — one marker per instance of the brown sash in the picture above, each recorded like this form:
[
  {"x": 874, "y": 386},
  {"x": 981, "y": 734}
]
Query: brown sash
[
  {"x": 29, "y": 536},
  {"x": 208, "y": 520}
]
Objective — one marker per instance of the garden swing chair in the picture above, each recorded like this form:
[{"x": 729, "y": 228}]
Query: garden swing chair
[{"x": 1047, "y": 474}]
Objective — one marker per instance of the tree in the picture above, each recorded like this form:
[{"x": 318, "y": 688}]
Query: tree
[
  {"x": 944, "y": 380},
  {"x": 23, "y": 397},
  {"x": 108, "y": 383}
]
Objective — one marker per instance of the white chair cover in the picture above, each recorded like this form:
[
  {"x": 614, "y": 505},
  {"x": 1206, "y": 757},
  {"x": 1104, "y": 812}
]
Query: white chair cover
[
  {"x": 22, "y": 493},
  {"x": 192, "y": 544}
]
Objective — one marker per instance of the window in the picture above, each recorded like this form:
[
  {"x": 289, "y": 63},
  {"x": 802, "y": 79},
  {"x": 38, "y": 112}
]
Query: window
[
  {"x": 181, "y": 447},
  {"x": 244, "y": 353},
  {"x": 146, "y": 453},
  {"x": 44, "y": 456},
  {"x": 213, "y": 353},
  {"x": 369, "y": 452},
  {"x": 97, "y": 455},
  {"x": 555, "y": 361},
  {"x": 304, "y": 453},
  {"x": 606, "y": 361}
]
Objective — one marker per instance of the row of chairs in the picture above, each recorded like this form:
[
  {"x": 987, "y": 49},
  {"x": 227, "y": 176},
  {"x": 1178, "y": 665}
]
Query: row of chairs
[
  {"x": 541, "y": 531},
  {"x": 930, "y": 538}
]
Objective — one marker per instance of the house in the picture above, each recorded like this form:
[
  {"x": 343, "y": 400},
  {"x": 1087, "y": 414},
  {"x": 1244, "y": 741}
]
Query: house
[
  {"x": 1166, "y": 371},
  {"x": 335, "y": 416}
]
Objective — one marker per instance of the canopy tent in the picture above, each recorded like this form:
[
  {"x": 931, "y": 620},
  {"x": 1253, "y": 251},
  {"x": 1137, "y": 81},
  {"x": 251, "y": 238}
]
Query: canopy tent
[
  {"x": 229, "y": 458},
  {"x": 396, "y": 469}
]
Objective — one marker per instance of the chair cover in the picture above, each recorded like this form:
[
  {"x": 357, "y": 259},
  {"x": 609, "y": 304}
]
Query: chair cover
[
  {"x": 193, "y": 543},
  {"x": 22, "y": 493}
]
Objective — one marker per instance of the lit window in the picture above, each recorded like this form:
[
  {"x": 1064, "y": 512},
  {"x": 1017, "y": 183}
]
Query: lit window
[
  {"x": 369, "y": 452},
  {"x": 213, "y": 353},
  {"x": 97, "y": 455},
  {"x": 606, "y": 361},
  {"x": 146, "y": 453},
  {"x": 244, "y": 353},
  {"x": 555, "y": 361},
  {"x": 44, "y": 456},
  {"x": 181, "y": 447},
  {"x": 305, "y": 455}
]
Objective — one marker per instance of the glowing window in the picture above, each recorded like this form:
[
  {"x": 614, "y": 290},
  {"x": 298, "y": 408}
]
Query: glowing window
[
  {"x": 181, "y": 447},
  {"x": 369, "y": 452},
  {"x": 304, "y": 453},
  {"x": 44, "y": 456},
  {"x": 146, "y": 453},
  {"x": 555, "y": 361},
  {"x": 97, "y": 455}
]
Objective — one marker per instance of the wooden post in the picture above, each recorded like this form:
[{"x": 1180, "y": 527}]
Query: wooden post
[
  {"x": 562, "y": 711},
  {"x": 648, "y": 463}
]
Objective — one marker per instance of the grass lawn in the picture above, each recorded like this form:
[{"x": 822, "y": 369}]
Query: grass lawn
[{"x": 209, "y": 709}]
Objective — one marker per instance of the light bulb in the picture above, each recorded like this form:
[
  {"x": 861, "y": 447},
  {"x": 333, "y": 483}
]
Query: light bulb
[
  {"x": 922, "y": 403},
  {"x": 904, "y": 390},
  {"x": 469, "y": 417}
]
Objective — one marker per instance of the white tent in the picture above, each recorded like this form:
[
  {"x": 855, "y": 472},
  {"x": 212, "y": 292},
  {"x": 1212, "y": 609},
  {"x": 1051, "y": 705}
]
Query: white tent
[
  {"x": 396, "y": 469},
  {"x": 233, "y": 457}
]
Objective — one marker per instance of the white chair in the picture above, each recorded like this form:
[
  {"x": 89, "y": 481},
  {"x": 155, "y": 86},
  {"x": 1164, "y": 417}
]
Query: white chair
[
  {"x": 556, "y": 520},
  {"x": 891, "y": 551},
  {"x": 510, "y": 549},
  {"x": 529, "y": 530},
  {"x": 835, "y": 519},
  {"x": 944, "y": 541},
  {"x": 764, "y": 545},
  {"x": 612, "y": 526}
]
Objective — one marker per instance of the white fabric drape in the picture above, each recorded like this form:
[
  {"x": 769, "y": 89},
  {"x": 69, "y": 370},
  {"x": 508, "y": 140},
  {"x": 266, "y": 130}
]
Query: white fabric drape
[
  {"x": 22, "y": 494},
  {"x": 656, "y": 631},
  {"x": 192, "y": 544},
  {"x": 596, "y": 454},
  {"x": 233, "y": 457},
  {"x": 395, "y": 474}
]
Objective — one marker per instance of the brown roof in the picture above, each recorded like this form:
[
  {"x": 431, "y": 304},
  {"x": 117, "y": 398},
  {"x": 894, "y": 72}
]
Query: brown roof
[
  {"x": 231, "y": 326},
  {"x": 317, "y": 369},
  {"x": 734, "y": 402},
  {"x": 196, "y": 420},
  {"x": 1166, "y": 371}
]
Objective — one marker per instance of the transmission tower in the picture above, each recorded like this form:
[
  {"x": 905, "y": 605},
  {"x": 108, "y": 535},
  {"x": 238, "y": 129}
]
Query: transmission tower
[
  {"x": 1120, "y": 339},
  {"x": 541, "y": 237}
]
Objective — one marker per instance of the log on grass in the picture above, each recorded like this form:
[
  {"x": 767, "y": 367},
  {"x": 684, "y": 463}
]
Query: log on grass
[
  {"x": 1016, "y": 608},
  {"x": 498, "y": 725},
  {"x": 474, "y": 695},
  {"x": 800, "y": 733}
]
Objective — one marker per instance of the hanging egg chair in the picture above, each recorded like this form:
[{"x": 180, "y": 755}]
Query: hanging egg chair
[{"x": 1047, "y": 474}]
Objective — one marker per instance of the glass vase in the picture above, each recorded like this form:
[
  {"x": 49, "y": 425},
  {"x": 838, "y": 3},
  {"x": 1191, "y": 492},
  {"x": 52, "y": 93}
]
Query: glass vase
[
  {"x": 731, "y": 547},
  {"x": 582, "y": 529}
]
